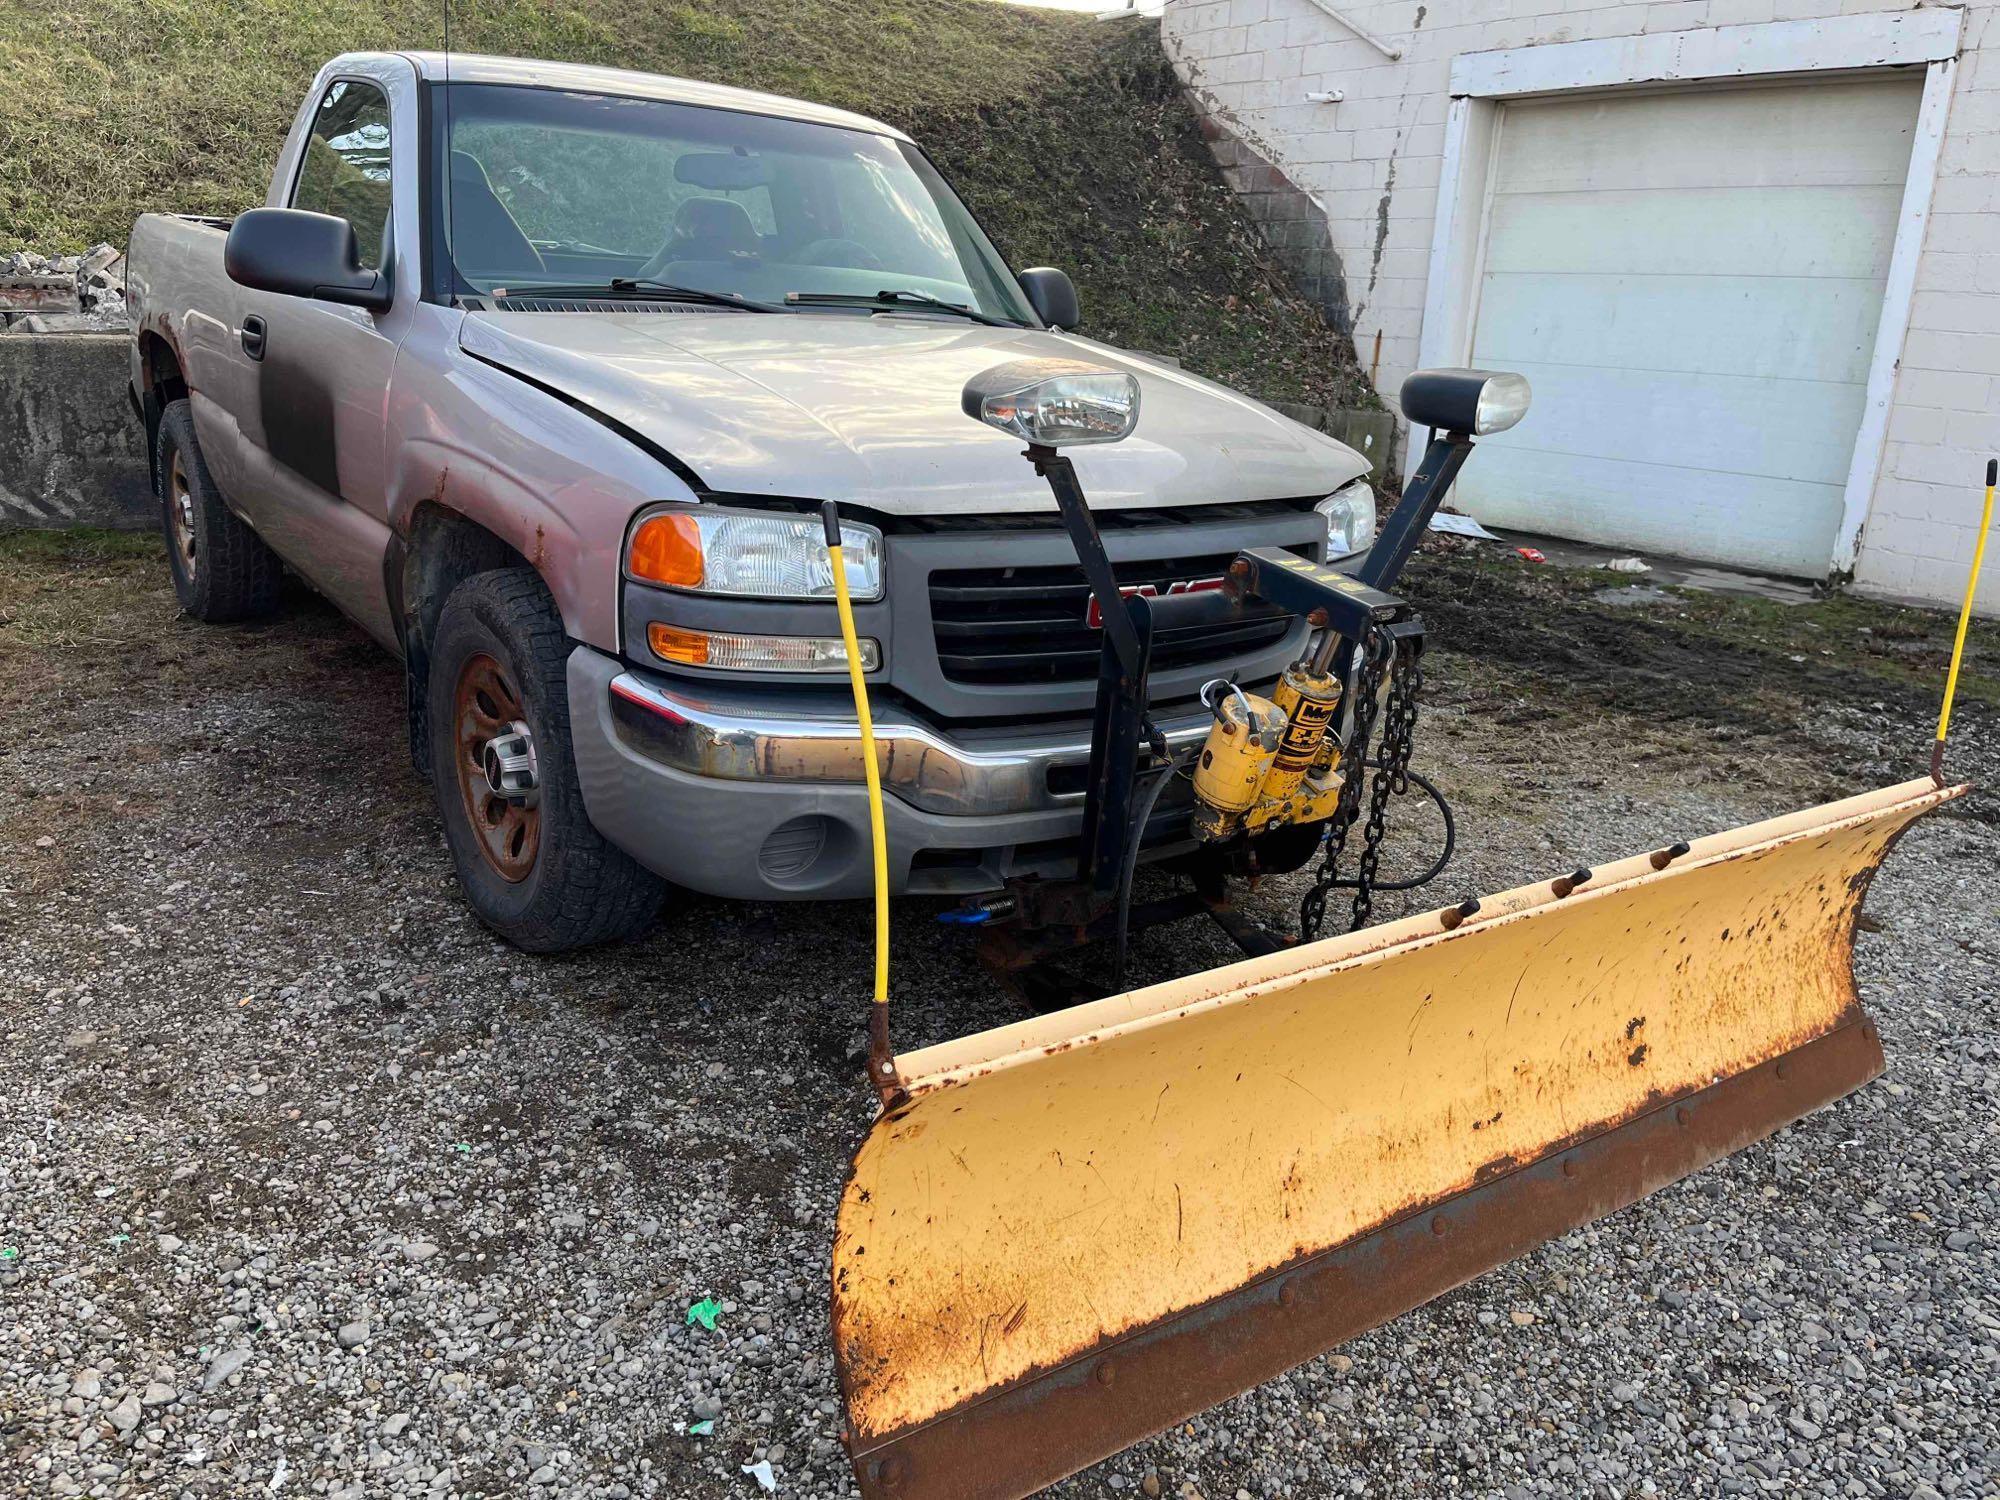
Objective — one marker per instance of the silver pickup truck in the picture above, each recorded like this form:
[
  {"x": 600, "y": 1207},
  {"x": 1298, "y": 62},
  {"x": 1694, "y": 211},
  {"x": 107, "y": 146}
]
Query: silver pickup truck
[{"x": 541, "y": 372}]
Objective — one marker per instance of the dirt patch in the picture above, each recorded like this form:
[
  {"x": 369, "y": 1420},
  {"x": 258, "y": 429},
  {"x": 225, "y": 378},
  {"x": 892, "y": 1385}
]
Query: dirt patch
[{"x": 1825, "y": 698}]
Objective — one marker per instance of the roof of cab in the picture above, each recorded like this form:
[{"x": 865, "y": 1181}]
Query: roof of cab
[{"x": 470, "y": 67}]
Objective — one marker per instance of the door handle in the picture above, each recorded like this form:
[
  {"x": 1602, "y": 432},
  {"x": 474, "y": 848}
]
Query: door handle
[{"x": 252, "y": 334}]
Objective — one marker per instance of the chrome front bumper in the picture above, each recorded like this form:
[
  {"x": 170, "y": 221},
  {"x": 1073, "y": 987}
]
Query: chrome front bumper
[{"x": 726, "y": 735}]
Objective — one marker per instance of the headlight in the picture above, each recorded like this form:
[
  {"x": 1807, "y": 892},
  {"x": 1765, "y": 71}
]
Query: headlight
[
  {"x": 750, "y": 555},
  {"x": 1350, "y": 520}
]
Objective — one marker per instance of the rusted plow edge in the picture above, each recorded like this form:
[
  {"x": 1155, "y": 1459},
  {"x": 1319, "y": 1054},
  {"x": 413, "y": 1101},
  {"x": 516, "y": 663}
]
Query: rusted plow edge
[{"x": 1017, "y": 1439}]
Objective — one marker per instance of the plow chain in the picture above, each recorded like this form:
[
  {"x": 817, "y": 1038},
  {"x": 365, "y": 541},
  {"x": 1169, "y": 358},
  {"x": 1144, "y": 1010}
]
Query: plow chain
[{"x": 1403, "y": 662}]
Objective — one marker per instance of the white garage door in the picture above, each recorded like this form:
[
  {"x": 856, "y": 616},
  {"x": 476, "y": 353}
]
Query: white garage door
[{"x": 1691, "y": 282}]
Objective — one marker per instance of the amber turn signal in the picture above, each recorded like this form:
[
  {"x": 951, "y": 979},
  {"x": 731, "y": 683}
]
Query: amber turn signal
[
  {"x": 666, "y": 548},
  {"x": 672, "y": 643}
]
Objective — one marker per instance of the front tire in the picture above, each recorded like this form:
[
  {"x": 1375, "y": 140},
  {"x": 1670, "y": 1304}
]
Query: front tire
[
  {"x": 531, "y": 863},
  {"x": 222, "y": 569}
]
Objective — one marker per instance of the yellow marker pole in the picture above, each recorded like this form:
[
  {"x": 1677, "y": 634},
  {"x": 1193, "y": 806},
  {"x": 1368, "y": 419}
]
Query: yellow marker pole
[
  {"x": 1964, "y": 622},
  {"x": 881, "y": 1063}
]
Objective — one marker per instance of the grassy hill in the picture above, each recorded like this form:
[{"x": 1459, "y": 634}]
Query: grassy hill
[{"x": 1068, "y": 136}]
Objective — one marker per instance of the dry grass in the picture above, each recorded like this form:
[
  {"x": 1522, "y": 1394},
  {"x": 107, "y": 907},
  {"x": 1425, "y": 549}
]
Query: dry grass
[
  {"x": 52, "y": 588},
  {"x": 113, "y": 108}
]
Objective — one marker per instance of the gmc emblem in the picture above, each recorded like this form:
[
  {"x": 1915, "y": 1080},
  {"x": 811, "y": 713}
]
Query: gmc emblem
[{"x": 1094, "y": 617}]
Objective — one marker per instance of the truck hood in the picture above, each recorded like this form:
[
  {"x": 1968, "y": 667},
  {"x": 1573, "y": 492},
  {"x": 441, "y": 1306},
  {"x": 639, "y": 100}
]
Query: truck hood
[{"x": 865, "y": 410}]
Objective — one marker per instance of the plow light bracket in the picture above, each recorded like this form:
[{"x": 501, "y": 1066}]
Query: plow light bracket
[
  {"x": 1055, "y": 403},
  {"x": 1480, "y": 402}
]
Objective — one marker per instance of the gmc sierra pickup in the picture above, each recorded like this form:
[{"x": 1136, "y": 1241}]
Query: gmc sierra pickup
[{"x": 541, "y": 372}]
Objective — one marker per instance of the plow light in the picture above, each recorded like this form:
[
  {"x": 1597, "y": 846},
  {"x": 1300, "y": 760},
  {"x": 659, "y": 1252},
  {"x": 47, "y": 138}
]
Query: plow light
[
  {"x": 1481, "y": 402},
  {"x": 1056, "y": 403}
]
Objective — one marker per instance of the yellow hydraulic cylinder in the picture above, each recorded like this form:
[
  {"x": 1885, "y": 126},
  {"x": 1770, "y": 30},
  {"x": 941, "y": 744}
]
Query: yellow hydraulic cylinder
[
  {"x": 1229, "y": 776},
  {"x": 1308, "y": 699}
]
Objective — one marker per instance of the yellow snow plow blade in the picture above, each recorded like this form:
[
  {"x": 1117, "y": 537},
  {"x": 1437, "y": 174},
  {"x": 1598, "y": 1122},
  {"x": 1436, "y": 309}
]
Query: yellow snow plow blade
[{"x": 1085, "y": 1227}]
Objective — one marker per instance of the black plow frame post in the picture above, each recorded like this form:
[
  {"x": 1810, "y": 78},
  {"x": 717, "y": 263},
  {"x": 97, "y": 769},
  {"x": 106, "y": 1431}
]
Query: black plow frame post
[
  {"x": 1118, "y": 722},
  {"x": 1116, "y": 730},
  {"x": 1397, "y": 542},
  {"x": 1404, "y": 530}
]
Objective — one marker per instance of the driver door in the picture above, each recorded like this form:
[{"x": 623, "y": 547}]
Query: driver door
[{"x": 314, "y": 484}]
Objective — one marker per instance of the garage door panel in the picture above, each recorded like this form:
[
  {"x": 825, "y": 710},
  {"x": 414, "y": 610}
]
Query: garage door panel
[
  {"x": 1779, "y": 526},
  {"x": 1776, "y": 429},
  {"x": 1856, "y": 131},
  {"x": 1692, "y": 280},
  {"x": 1791, "y": 231},
  {"x": 1801, "y": 328}
]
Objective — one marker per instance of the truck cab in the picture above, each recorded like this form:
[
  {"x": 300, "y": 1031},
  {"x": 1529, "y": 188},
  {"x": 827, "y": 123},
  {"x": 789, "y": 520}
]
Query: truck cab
[{"x": 541, "y": 372}]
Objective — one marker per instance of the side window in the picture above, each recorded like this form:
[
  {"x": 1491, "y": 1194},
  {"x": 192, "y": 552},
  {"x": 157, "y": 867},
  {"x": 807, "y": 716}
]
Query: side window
[{"x": 346, "y": 167}]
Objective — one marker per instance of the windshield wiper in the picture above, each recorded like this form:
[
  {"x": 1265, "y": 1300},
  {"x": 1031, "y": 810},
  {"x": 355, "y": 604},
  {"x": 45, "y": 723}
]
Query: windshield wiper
[
  {"x": 626, "y": 286},
  {"x": 894, "y": 297}
]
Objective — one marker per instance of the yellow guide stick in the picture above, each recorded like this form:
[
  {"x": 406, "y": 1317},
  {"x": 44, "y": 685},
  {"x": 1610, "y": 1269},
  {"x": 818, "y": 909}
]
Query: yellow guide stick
[
  {"x": 1964, "y": 622},
  {"x": 878, "y": 834}
]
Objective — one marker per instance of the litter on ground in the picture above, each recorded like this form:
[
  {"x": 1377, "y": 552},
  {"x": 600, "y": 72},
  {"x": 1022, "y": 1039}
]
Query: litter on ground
[
  {"x": 1454, "y": 524},
  {"x": 704, "y": 1312}
]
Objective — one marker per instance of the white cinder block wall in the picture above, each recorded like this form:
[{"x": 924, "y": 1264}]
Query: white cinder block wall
[{"x": 1373, "y": 163}]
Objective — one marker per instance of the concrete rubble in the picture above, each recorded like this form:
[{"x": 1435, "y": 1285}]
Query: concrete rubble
[{"x": 64, "y": 293}]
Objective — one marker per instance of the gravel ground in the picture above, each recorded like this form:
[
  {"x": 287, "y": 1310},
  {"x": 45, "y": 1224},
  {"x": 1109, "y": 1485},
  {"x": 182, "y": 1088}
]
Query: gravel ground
[{"x": 309, "y": 1185}]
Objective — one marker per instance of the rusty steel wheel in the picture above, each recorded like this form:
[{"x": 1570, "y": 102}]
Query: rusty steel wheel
[
  {"x": 180, "y": 510},
  {"x": 221, "y": 568},
  {"x": 496, "y": 741},
  {"x": 487, "y": 706}
]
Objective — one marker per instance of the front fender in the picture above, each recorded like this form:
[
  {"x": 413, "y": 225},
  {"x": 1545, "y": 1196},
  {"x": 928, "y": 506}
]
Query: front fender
[{"x": 553, "y": 483}]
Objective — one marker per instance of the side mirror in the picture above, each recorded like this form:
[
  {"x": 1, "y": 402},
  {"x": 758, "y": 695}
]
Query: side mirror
[
  {"x": 1478, "y": 402},
  {"x": 1052, "y": 295},
  {"x": 303, "y": 254}
]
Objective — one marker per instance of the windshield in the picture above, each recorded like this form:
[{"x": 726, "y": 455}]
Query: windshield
[{"x": 578, "y": 190}]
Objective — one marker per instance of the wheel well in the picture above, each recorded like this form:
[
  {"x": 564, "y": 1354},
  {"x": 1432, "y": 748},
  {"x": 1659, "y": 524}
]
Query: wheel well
[
  {"x": 161, "y": 384},
  {"x": 442, "y": 549}
]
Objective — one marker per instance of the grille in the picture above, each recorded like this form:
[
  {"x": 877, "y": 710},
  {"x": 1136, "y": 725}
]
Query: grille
[{"x": 1030, "y": 624}]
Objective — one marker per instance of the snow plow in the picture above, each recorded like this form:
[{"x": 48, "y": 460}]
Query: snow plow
[{"x": 1067, "y": 1233}]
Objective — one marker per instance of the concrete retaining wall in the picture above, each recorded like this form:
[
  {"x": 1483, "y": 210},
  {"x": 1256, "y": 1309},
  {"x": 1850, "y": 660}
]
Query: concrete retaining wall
[{"x": 71, "y": 453}]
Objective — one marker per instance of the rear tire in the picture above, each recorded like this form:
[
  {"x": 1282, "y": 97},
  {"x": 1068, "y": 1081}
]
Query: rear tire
[
  {"x": 222, "y": 569},
  {"x": 540, "y": 875}
]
